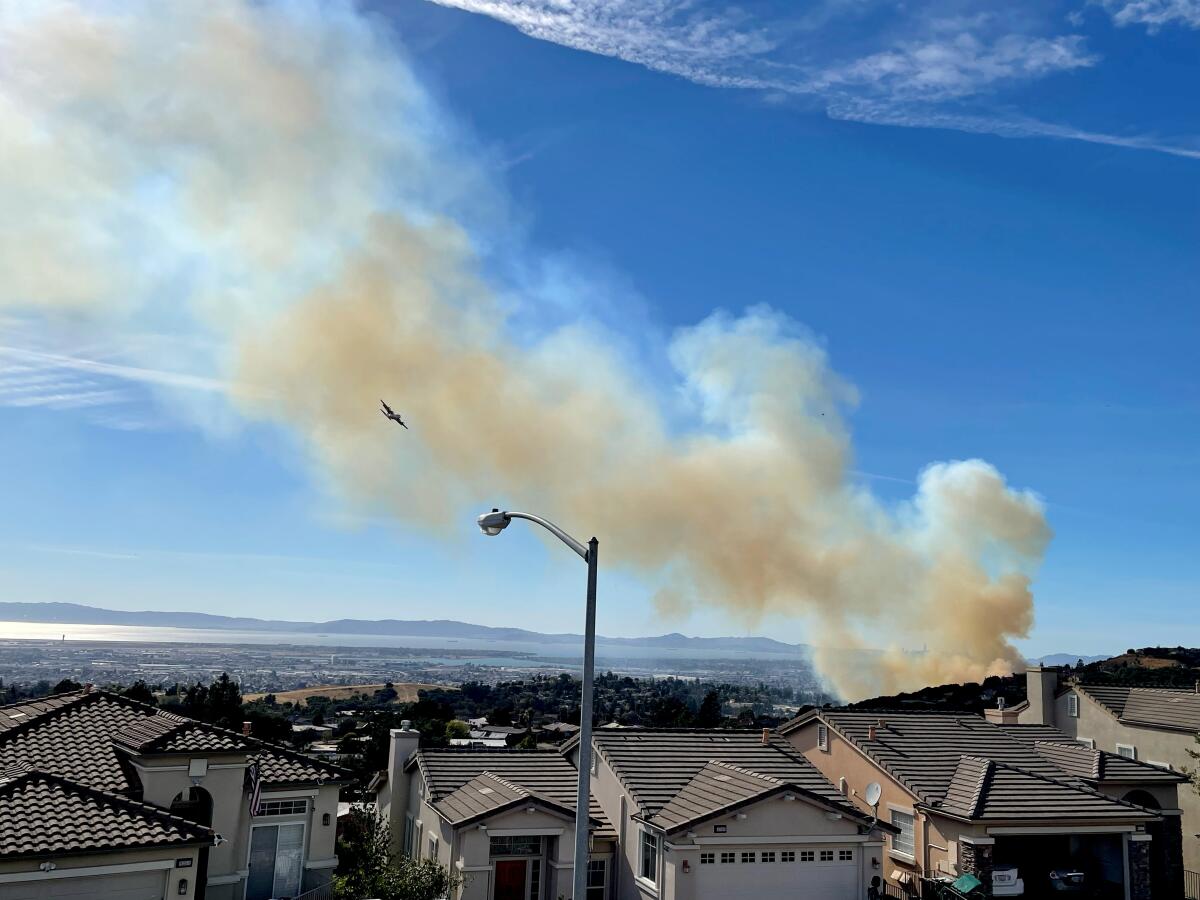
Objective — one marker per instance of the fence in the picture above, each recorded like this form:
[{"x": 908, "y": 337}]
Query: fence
[
  {"x": 323, "y": 892},
  {"x": 1191, "y": 885}
]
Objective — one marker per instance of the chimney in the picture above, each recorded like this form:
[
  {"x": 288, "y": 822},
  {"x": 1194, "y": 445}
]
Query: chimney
[
  {"x": 1198, "y": 687},
  {"x": 766, "y": 736},
  {"x": 246, "y": 729},
  {"x": 393, "y": 800},
  {"x": 1041, "y": 683},
  {"x": 1000, "y": 703},
  {"x": 871, "y": 735}
]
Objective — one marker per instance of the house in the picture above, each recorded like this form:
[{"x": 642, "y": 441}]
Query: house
[
  {"x": 674, "y": 815},
  {"x": 1155, "y": 725},
  {"x": 102, "y": 796},
  {"x": 503, "y": 818},
  {"x": 714, "y": 814},
  {"x": 1008, "y": 804}
]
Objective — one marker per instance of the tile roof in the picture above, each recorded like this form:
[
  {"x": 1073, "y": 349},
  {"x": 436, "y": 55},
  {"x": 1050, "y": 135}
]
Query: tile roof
[
  {"x": 983, "y": 789},
  {"x": 1175, "y": 708},
  {"x": 42, "y": 813},
  {"x": 546, "y": 773},
  {"x": 488, "y": 794},
  {"x": 656, "y": 764},
  {"x": 87, "y": 737},
  {"x": 278, "y": 766},
  {"x": 941, "y": 758},
  {"x": 165, "y": 732},
  {"x": 716, "y": 788},
  {"x": 1096, "y": 765}
]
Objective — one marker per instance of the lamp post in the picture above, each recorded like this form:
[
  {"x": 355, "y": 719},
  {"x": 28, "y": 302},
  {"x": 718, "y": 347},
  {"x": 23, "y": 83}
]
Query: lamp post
[{"x": 492, "y": 524}]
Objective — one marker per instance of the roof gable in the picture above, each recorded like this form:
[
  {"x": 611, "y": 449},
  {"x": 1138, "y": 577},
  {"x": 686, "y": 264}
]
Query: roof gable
[
  {"x": 655, "y": 765},
  {"x": 718, "y": 787},
  {"x": 488, "y": 794},
  {"x": 42, "y": 813}
]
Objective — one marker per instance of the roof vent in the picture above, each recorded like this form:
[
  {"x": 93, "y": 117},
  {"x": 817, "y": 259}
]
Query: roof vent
[
  {"x": 721, "y": 778},
  {"x": 406, "y": 725},
  {"x": 1000, "y": 703},
  {"x": 871, "y": 734},
  {"x": 766, "y": 736},
  {"x": 246, "y": 729},
  {"x": 487, "y": 790}
]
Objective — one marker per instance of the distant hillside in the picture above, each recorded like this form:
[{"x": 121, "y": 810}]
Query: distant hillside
[
  {"x": 1149, "y": 666},
  {"x": 77, "y": 614}
]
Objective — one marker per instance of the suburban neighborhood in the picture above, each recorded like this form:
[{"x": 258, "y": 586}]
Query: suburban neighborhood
[{"x": 599, "y": 450}]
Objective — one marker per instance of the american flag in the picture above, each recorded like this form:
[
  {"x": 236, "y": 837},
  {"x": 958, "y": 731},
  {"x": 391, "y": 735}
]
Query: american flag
[{"x": 255, "y": 789}]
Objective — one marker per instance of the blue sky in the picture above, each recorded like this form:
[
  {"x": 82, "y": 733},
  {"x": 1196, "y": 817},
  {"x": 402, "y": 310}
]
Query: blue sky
[{"x": 987, "y": 216}]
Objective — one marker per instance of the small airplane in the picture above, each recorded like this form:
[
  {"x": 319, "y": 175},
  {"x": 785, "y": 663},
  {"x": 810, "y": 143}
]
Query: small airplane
[{"x": 389, "y": 413}]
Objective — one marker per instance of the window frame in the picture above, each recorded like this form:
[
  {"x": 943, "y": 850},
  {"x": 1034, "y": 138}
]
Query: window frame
[
  {"x": 767, "y": 856},
  {"x": 648, "y": 841},
  {"x": 808, "y": 856},
  {"x": 787, "y": 856},
  {"x": 597, "y": 864},
  {"x": 845, "y": 854},
  {"x": 728, "y": 858},
  {"x": 825, "y": 856},
  {"x": 911, "y": 831},
  {"x": 1132, "y": 754},
  {"x": 303, "y": 824},
  {"x": 748, "y": 857},
  {"x": 1073, "y": 705}
]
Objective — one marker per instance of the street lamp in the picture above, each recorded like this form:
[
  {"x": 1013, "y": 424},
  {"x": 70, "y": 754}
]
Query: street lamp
[{"x": 492, "y": 524}]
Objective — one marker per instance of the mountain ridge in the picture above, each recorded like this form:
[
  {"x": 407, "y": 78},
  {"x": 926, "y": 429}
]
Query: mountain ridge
[{"x": 80, "y": 614}]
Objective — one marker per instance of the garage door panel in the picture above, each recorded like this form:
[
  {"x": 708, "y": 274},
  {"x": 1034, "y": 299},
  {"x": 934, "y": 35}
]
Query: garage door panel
[
  {"x": 797, "y": 880},
  {"x": 125, "y": 886}
]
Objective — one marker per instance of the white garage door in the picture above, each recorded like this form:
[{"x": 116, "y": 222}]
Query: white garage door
[
  {"x": 128, "y": 886},
  {"x": 790, "y": 873}
]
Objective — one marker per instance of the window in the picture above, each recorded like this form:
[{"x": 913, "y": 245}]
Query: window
[
  {"x": 282, "y": 807},
  {"x": 597, "y": 880},
  {"x": 1160, "y": 765},
  {"x": 826, "y": 856},
  {"x": 276, "y": 861},
  {"x": 516, "y": 846},
  {"x": 1090, "y": 743},
  {"x": 903, "y": 842},
  {"x": 649, "y": 862},
  {"x": 787, "y": 856},
  {"x": 727, "y": 858},
  {"x": 1073, "y": 705},
  {"x": 707, "y": 859},
  {"x": 768, "y": 856},
  {"x": 822, "y": 737},
  {"x": 1127, "y": 750},
  {"x": 408, "y": 834},
  {"x": 843, "y": 787},
  {"x": 433, "y": 847},
  {"x": 807, "y": 856},
  {"x": 747, "y": 856},
  {"x": 845, "y": 856}
]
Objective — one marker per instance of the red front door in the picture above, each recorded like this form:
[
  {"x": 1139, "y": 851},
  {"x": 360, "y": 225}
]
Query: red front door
[{"x": 510, "y": 879}]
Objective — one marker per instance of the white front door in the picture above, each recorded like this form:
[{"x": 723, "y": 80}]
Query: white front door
[{"x": 276, "y": 861}]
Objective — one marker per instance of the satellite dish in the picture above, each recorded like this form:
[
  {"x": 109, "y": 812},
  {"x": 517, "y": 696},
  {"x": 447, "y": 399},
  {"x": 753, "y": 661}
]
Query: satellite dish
[{"x": 874, "y": 792}]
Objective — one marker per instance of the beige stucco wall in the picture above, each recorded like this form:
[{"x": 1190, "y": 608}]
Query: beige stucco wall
[
  {"x": 133, "y": 859},
  {"x": 1153, "y": 744}
]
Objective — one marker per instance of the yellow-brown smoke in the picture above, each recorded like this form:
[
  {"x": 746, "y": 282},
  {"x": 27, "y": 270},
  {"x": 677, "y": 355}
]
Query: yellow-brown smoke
[{"x": 282, "y": 177}]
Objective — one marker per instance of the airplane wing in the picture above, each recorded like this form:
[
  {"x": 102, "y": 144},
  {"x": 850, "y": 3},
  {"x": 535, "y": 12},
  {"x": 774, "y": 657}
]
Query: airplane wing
[{"x": 387, "y": 410}]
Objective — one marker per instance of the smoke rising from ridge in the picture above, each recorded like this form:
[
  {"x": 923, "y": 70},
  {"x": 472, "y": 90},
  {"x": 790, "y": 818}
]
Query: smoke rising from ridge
[{"x": 274, "y": 176}]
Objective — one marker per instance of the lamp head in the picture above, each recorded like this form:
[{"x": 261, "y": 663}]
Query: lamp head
[{"x": 493, "y": 523}]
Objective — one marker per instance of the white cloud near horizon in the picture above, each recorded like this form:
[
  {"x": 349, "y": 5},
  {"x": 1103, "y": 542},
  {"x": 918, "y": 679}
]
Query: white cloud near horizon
[{"x": 942, "y": 60}]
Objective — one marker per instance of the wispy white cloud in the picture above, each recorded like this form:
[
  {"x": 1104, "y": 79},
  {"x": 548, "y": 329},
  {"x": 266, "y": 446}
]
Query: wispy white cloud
[
  {"x": 937, "y": 61},
  {"x": 1154, "y": 14},
  {"x": 917, "y": 116},
  {"x": 117, "y": 370}
]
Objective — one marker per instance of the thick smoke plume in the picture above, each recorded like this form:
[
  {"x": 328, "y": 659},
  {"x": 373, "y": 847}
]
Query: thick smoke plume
[{"x": 275, "y": 177}]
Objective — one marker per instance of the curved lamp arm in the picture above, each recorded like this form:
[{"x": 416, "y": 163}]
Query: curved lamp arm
[{"x": 495, "y": 521}]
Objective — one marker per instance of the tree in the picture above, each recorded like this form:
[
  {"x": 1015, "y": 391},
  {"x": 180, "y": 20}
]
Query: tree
[
  {"x": 66, "y": 686},
  {"x": 140, "y": 691},
  {"x": 709, "y": 714},
  {"x": 368, "y": 868},
  {"x": 457, "y": 728},
  {"x": 529, "y": 742}
]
